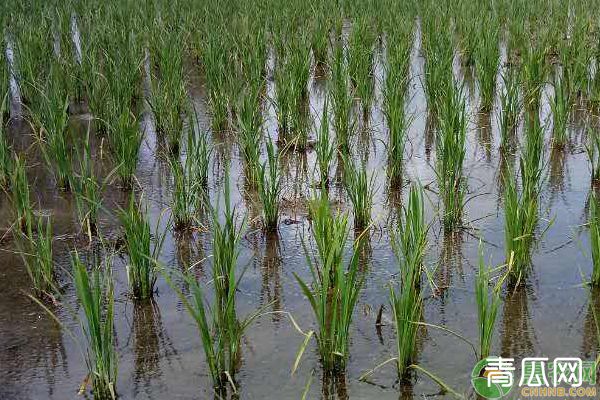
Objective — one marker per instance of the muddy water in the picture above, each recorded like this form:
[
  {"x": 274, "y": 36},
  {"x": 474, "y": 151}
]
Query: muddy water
[{"x": 159, "y": 349}]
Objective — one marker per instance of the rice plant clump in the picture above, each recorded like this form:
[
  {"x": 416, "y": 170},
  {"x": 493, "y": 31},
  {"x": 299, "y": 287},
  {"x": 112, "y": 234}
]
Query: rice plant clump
[
  {"x": 361, "y": 189},
  {"x": 450, "y": 156},
  {"x": 169, "y": 98},
  {"x": 86, "y": 189},
  {"x": 594, "y": 228},
  {"x": 325, "y": 148},
  {"x": 95, "y": 292},
  {"x": 396, "y": 83},
  {"x": 125, "y": 140},
  {"x": 487, "y": 60},
  {"x": 291, "y": 89},
  {"x": 20, "y": 196},
  {"x": 250, "y": 122},
  {"x": 218, "y": 324},
  {"x": 593, "y": 152},
  {"x": 360, "y": 62},
  {"x": 35, "y": 247},
  {"x": 50, "y": 114},
  {"x": 190, "y": 178},
  {"x": 341, "y": 99},
  {"x": 270, "y": 188},
  {"x": 334, "y": 290},
  {"x": 409, "y": 244},
  {"x": 511, "y": 108},
  {"x": 488, "y": 300},
  {"x": 142, "y": 249}
]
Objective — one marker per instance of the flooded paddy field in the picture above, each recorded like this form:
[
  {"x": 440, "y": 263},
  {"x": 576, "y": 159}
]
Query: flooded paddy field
[{"x": 546, "y": 292}]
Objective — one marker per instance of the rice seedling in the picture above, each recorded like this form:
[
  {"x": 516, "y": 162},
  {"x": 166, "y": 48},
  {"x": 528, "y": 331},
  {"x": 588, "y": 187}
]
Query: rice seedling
[
  {"x": 50, "y": 115},
  {"x": 20, "y": 196},
  {"x": 487, "y": 60},
  {"x": 320, "y": 38},
  {"x": 361, "y": 45},
  {"x": 325, "y": 148},
  {"x": 510, "y": 105},
  {"x": 488, "y": 300},
  {"x": 450, "y": 148},
  {"x": 142, "y": 248},
  {"x": 396, "y": 83},
  {"x": 439, "y": 56},
  {"x": 409, "y": 243},
  {"x": 291, "y": 89},
  {"x": 125, "y": 139},
  {"x": 270, "y": 188},
  {"x": 534, "y": 72},
  {"x": 86, "y": 189},
  {"x": 520, "y": 220},
  {"x": 190, "y": 179},
  {"x": 35, "y": 247},
  {"x": 5, "y": 150},
  {"x": 532, "y": 159},
  {"x": 341, "y": 99},
  {"x": 361, "y": 189},
  {"x": 214, "y": 60},
  {"x": 334, "y": 290},
  {"x": 95, "y": 292},
  {"x": 593, "y": 152},
  {"x": 218, "y": 324},
  {"x": 560, "y": 106},
  {"x": 250, "y": 122},
  {"x": 169, "y": 98},
  {"x": 594, "y": 228}
]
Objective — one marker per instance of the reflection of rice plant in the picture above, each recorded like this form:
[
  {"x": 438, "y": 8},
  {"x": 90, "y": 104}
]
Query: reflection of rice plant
[
  {"x": 270, "y": 188},
  {"x": 361, "y": 189},
  {"x": 95, "y": 291},
  {"x": 334, "y": 290},
  {"x": 450, "y": 156},
  {"x": 560, "y": 106},
  {"x": 409, "y": 243},
  {"x": 5, "y": 151},
  {"x": 488, "y": 300},
  {"x": 594, "y": 227},
  {"x": 142, "y": 249},
  {"x": 35, "y": 248}
]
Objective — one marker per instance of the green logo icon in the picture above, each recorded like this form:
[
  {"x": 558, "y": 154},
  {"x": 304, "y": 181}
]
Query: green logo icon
[{"x": 490, "y": 380}]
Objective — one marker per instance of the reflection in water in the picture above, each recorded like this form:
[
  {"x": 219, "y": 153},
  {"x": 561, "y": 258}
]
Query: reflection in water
[
  {"x": 334, "y": 387},
  {"x": 558, "y": 163},
  {"x": 484, "y": 133},
  {"x": 430, "y": 127},
  {"x": 365, "y": 251},
  {"x": 591, "y": 332},
  {"x": 518, "y": 336},
  {"x": 271, "y": 275},
  {"x": 450, "y": 262}
]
